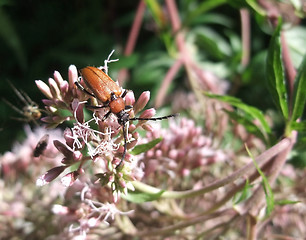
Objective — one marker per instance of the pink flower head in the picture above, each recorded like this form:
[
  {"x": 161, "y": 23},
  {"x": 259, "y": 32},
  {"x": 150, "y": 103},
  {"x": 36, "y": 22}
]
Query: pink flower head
[
  {"x": 183, "y": 148},
  {"x": 97, "y": 136}
]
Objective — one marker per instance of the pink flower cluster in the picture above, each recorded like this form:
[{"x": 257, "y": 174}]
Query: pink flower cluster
[
  {"x": 94, "y": 139},
  {"x": 184, "y": 147}
]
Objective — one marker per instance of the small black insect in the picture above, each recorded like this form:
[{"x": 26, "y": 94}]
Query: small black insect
[{"x": 41, "y": 145}]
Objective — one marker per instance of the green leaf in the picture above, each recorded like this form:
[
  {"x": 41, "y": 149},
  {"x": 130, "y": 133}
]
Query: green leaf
[
  {"x": 126, "y": 62},
  {"x": 299, "y": 97},
  {"x": 252, "y": 111},
  {"x": 298, "y": 159},
  {"x": 103, "y": 178},
  {"x": 255, "y": 6},
  {"x": 244, "y": 194},
  {"x": 286, "y": 202},
  {"x": 213, "y": 43},
  {"x": 145, "y": 147},
  {"x": 157, "y": 12},
  {"x": 213, "y": 18},
  {"x": 265, "y": 183},
  {"x": 275, "y": 73},
  {"x": 140, "y": 197},
  {"x": 205, "y": 6},
  {"x": 156, "y": 63},
  {"x": 299, "y": 126},
  {"x": 249, "y": 125}
]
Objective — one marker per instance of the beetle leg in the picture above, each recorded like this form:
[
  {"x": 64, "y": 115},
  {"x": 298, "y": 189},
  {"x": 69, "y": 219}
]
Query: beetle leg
[
  {"x": 106, "y": 115},
  {"x": 125, "y": 147},
  {"x": 90, "y": 105},
  {"x": 78, "y": 84},
  {"x": 127, "y": 107},
  {"x": 124, "y": 93},
  {"x": 95, "y": 107}
]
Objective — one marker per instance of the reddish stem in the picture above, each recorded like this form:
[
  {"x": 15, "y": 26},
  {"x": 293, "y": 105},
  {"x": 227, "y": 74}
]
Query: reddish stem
[
  {"x": 135, "y": 28},
  {"x": 133, "y": 35},
  {"x": 166, "y": 82},
  {"x": 245, "y": 35},
  {"x": 176, "y": 26}
]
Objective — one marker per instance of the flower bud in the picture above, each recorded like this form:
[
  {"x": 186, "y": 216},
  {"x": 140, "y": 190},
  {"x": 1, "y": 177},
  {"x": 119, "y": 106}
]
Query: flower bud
[
  {"x": 44, "y": 88},
  {"x": 130, "y": 98},
  {"x": 56, "y": 93},
  {"x": 149, "y": 113},
  {"x": 72, "y": 75},
  {"x": 50, "y": 175},
  {"x": 58, "y": 78},
  {"x": 142, "y": 102}
]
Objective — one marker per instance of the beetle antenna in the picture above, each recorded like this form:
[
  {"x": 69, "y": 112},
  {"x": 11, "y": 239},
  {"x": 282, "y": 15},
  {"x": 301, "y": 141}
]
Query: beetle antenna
[
  {"x": 125, "y": 146},
  {"x": 157, "y": 118}
]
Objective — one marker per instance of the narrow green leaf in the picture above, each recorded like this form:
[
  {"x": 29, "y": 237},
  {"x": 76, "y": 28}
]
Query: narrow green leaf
[
  {"x": 252, "y": 111},
  {"x": 244, "y": 194},
  {"x": 140, "y": 197},
  {"x": 299, "y": 97},
  {"x": 213, "y": 43},
  {"x": 204, "y": 7},
  {"x": 266, "y": 186},
  {"x": 254, "y": 4},
  {"x": 299, "y": 126},
  {"x": 145, "y": 147},
  {"x": 269, "y": 196},
  {"x": 249, "y": 125},
  {"x": 286, "y": 202},
  {"x": 275, "y": 73},
  {"x": 156, "y": 11}
]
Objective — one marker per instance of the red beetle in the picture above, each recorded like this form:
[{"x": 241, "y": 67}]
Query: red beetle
[{"x": 106, "y": 91}]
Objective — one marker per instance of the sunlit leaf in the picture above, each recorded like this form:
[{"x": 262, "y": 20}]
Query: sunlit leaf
[
  {"x": 286, "y": 202},
  {"x": 145, "y": 147},
  {"x": 266, "y": 186},
  {"x": 255, "y": 6},
  {"x": 204, "y": 7},
  {"x": 299, "y": 126},
  {"x": 213, "y": 43},
  {"x": 244, "y": 194},
  {"x": 275, "y": 73},
  {"x": 252, "y": 111},
  {"x": 140, "y": 197},
  {"x": 249, "y": 125}
]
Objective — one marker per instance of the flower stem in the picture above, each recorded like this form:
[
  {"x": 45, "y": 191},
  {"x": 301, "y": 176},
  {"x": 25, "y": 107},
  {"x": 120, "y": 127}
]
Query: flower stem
[{"x": 261, "y": 160}]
